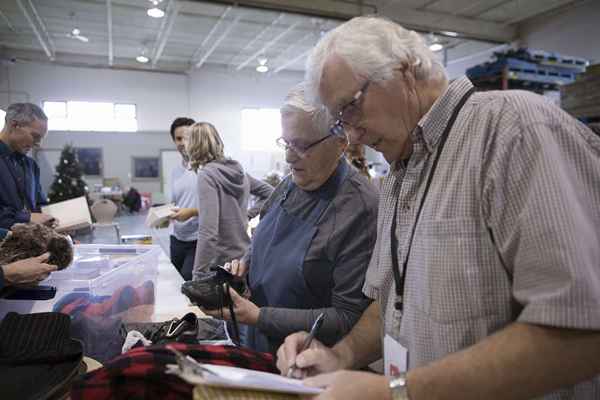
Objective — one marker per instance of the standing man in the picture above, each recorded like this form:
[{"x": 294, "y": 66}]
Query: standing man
[
  {"x": 485, "y": 273},
  {"x": 184, "y": 196},
  {"x": 21, "y": 194}
]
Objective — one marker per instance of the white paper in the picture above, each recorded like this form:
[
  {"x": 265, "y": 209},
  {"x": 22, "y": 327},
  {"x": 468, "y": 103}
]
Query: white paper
[
  {"x": 395, "y": 356},
  {"x": 241, "y": 378},
  {"x": 71, "y": 214},
  {"x": 158, "y": 215}
]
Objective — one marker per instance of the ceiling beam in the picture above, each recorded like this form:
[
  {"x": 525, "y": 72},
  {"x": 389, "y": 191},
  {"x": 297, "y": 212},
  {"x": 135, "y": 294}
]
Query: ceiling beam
[
  {"x": 322, "y": 8},
  {"x": 45, "y": 45},
  {"x": 476, "y": 5},
  {"x": 430, "y": 21},
  {"x": 546, "y": 6},
  {"x": 163, "y": 34},
  {"x": 110, "y": 32},
  {"x": 256, "y": 38},
  {"x": 292, "y": 61},
  {"x": 218, "y": 42},
  {"x": 212, "y": 32},
  {"x": 42, "y": 26},
  {"x": 8, "y": 23},
  {"x": 294, "y": 45},
  {"x": 268, "y": 45}
]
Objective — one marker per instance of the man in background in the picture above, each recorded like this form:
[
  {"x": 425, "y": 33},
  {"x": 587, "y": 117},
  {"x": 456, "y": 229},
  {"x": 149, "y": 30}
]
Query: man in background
[
  {"x": 21, "y": 194},
  {"x": 184, "y": 196}
]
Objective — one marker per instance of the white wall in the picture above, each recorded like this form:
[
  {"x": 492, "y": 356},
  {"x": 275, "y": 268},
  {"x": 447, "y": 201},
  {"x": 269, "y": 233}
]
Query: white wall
[
  {"x": 574, "y": 32},
  {"x": 210, "y": 94},
  {"x": 219, "y": 95}
]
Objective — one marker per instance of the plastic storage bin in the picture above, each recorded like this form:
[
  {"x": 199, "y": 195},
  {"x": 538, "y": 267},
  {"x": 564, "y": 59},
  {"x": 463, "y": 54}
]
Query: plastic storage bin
[{"x": 103, "y": 281}]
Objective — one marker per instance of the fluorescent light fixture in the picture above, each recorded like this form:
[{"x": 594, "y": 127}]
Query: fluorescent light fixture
[
  {"x": 142, "y": 59},
  {"x": 449, "y": 33},
  {"x": 155, "y": 12},
  {"x": 436, "y": 46}
]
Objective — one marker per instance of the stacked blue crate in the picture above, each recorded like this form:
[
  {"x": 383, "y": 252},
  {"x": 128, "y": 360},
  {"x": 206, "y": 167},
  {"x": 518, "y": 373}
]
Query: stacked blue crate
[{"x": 530, "y": 67}]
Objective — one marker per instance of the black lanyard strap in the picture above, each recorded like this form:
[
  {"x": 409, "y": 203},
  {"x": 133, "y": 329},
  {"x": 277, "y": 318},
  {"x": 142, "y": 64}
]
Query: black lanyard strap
[{"x": 399, "y": 279}]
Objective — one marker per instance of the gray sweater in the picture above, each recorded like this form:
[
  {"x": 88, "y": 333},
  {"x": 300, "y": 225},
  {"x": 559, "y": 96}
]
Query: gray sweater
[
  {"x": 223, "y": 192},
  {"x": 336, "y": 261}
]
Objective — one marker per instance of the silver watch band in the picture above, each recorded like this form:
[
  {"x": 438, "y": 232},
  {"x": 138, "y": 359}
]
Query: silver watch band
[{"x": 398, "y": 387}]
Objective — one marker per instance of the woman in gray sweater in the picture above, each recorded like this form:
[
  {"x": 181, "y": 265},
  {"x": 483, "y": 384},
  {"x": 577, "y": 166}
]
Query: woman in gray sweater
[{"x": 223, "y": 192}]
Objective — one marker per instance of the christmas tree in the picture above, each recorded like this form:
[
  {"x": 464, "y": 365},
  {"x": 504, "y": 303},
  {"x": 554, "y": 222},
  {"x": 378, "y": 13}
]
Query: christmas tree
[{"x": 68, "y": 183}]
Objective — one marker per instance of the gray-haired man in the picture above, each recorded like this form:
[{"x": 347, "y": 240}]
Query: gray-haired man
[
  {"x": 20, "y": 192},
  {"x": 485, "y": 271}
]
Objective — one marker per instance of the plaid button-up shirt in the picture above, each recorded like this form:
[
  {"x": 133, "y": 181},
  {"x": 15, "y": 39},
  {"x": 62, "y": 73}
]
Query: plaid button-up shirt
[{"x": 510, "y": 229}]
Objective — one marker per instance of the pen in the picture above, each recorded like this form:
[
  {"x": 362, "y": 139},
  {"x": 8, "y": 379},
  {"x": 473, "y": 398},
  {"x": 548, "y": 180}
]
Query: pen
[{"x": 313, "y": 332}]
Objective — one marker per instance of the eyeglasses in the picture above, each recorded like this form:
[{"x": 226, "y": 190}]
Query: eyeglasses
[
  {"x": 350, "y": 113},
  {"x": 302, "y": 150}
]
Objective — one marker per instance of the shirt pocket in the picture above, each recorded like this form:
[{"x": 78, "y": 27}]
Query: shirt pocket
[{"x": 456, "y": 272}]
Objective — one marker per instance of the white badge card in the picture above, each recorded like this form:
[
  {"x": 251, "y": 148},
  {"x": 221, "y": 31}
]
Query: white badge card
[{"x": 395, "y": 356}]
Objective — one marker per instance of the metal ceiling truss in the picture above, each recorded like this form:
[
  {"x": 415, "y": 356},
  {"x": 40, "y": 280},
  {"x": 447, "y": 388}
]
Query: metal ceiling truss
[
  {"x": 40, "y": 31},
  {"x": 211, "y": 33},
  {"x": 218, "y": 41},
  {"x": 256, "y": 38},
  {"x": 110, "y": 32},
  {"x": 165, "y": 30}
]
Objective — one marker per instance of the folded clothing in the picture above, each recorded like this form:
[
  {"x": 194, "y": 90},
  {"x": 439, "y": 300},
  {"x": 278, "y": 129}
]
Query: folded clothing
[
  {"x": 140, "y": 373},
  {"x": 38, "y": 358}
]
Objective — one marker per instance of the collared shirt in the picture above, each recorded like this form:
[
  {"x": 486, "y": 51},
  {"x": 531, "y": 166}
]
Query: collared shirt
[{"x": 509, "y": 230}]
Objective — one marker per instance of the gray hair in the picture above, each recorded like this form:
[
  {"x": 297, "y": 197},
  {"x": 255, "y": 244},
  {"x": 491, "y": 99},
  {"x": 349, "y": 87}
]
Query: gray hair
[
  {"x": 373, "y": 47},
  {"x": 295, "y": 102},
  {"x": 24, "y": 113}
]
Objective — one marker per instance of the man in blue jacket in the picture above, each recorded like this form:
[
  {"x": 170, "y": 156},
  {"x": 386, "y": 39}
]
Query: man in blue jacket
[{"x": 21, "y": 195}]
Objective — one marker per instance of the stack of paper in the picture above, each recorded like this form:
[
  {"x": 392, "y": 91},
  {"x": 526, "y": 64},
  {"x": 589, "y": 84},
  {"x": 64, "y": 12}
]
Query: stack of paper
[
  {"x": 71, "y": 214},
  {"x": 158, "y": 216}
]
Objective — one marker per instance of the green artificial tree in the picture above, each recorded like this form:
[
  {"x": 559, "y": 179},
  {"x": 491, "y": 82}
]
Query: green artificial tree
[{"x": 68, "y": 182}]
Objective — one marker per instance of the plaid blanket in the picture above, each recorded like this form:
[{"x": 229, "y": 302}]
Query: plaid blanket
[{"x": 140, "y": 373}]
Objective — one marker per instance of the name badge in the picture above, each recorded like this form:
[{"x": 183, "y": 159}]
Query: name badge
[{"x": 395, "y": 356}]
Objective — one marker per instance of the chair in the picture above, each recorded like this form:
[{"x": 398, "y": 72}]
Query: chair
[{"x": 104, "y": 212}]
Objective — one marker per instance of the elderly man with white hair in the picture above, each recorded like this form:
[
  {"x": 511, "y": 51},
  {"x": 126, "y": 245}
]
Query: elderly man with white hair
[{"x": 485, "y": 271}]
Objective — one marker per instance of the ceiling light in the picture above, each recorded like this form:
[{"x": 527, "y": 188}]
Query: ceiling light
[
  {"x": 75, "y": 32},
  {"x": 436, "y": 46},
  {"x": 156, "y": 12},
  {"x": 449, "y": 33},
  {"x": 262, "y": 65},
  {"x": 142, "y": 59}
]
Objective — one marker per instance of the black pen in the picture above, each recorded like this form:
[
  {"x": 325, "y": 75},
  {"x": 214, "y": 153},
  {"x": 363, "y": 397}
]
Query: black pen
[{"x": 313, "y": 332}]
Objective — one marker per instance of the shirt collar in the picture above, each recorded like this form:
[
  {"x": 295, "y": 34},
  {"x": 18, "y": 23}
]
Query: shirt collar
[
  {"x": 4, "y": 149},
  {"x": 329, "y": 188},
  {"x": 432, "y": 124}
]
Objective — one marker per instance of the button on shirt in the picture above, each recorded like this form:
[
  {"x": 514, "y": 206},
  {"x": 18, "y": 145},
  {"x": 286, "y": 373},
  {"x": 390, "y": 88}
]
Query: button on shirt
[
  {"x": 184, "y": 194},
  {"x": 508, "y": 232}
]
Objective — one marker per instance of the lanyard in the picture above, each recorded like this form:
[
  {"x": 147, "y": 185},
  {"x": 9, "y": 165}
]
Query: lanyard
[{"x": 399, "y": 280}]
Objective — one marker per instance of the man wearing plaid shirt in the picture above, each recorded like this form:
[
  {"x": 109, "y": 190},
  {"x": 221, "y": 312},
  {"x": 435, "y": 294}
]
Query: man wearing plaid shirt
[{"x": 486, "y": 270}]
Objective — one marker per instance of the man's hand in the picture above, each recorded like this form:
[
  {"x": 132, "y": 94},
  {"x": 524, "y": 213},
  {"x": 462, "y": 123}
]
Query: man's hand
[
  {"x": 349, "y": 385},
  {"x": 183, "y": 214},
  {"x": 44, "y": 219},
  {"x": 317, "y": 359},
  {"x": 28, "y": 271},
  {"x": 237, "y": 268},
  {"x": 246, "y": 312}
]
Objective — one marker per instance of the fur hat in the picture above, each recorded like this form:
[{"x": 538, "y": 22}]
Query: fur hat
[{"x": 32, "y": 240}]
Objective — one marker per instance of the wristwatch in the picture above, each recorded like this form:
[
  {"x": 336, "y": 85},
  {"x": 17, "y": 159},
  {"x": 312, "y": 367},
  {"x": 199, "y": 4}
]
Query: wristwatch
[{"x": 398, "y": 387}]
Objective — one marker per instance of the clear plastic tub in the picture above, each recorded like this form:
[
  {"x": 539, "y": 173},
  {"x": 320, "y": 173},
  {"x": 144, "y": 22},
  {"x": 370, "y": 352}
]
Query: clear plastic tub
[{"x": 103, "y": 281}]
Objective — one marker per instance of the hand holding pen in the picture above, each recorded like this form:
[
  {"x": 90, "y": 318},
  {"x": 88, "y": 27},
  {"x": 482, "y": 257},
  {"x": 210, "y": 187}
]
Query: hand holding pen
[{"x": 314, "y": 330}]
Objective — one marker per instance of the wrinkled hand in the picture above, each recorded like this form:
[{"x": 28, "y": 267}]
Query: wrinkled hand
[
  {"x": 237, "y": 268},
  {"x": 350, "y": 385},
  {"x": 28, "y": 271},
  {"x": 246, "y": 312},
  {"x": 183, "y": 214},
  {"x": 317, "y": 359},
  {"x": 44, "y": 219}
]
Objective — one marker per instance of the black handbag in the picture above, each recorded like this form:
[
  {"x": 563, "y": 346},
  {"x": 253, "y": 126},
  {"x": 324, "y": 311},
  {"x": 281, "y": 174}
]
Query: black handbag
[{"x": 211, "y": 291}]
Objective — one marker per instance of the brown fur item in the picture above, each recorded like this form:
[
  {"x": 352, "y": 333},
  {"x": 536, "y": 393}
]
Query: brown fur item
[{"x": 32, "y": 240}]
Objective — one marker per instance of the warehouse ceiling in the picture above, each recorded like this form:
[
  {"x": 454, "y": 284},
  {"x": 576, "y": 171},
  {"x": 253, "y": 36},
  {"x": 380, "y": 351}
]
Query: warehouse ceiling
[{"x": 238, "y": 35}]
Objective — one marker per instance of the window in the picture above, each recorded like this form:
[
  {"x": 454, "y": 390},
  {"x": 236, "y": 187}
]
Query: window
[
  {"x": 90, "y": 116},
  {"x": 2, "y": 116},
  {"x": 260, "y": 128}
]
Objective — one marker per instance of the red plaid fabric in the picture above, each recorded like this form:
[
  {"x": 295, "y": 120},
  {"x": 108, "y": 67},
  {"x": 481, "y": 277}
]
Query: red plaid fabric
[{"x": 140, "y": 373}]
